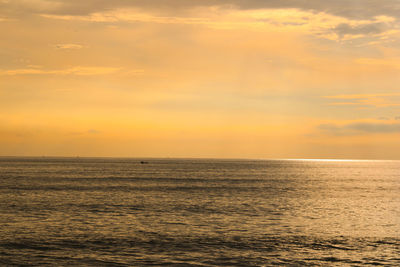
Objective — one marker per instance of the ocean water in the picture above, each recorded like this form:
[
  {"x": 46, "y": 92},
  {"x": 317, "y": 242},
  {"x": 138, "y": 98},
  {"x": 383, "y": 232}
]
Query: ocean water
[{"x": 119, "y": 212}]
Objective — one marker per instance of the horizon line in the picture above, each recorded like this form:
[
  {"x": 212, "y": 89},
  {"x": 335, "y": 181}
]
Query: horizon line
[{"x": 194, "y": 158}]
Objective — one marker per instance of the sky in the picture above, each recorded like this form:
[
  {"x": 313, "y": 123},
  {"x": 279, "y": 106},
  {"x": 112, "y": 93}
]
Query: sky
[{"x": 201, "y": 78}]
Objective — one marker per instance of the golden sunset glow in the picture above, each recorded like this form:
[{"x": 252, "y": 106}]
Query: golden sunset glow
[{"x": 225, "y": 79}]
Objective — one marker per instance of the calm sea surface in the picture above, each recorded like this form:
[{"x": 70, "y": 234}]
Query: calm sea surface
[{"x": 119, "y": 212}]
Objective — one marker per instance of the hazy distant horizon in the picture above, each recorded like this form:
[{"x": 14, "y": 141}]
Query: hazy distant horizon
[{"x": 193, "y": 158}]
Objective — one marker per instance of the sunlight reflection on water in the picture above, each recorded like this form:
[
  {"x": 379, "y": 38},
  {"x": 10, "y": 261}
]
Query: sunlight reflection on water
[{"x": 120, "y": 212}]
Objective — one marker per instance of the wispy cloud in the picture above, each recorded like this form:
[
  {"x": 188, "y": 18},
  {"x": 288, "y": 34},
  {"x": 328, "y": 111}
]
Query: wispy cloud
[
  {"x": 379, "y": 29},
  {"x": 320, "y": 24},
  {"x": 391, "y": 63},
  {"x": 68, "y": 46},
  {"x": 344, "y": 29},
  {"x": 354, "y": 9},
  {"x": 129, "y": 15},
  {"x": 222, "y": 18},
  {"x": 366, "y": 100},
  {"x": 360, "y": 128},
  {"x": 90, "y": 131},
  {"x": 93, "y": 131},
  {"x": 79, "y": 70}
]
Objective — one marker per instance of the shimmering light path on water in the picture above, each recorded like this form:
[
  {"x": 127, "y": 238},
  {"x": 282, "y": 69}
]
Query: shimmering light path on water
[{"x": 120, "y": 212}]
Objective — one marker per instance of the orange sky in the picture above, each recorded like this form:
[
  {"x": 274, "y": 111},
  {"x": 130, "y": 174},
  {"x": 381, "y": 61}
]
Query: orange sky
[{"x": 221, "y": 79}]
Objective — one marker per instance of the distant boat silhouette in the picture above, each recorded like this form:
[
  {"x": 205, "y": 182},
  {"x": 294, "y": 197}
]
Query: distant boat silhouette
[{"x": 144, "y": 162}]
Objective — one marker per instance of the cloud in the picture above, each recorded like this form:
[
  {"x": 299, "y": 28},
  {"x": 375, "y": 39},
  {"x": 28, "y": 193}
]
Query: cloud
[
  {"x": 366, "y": 100},
  {"x": 129, "y": 15},
  {"x": 90, "y": 131},
  {"x": 319, "y": 22},
  {"x": 344, "y": 29},
  {"x": 90, "y": 70},
  {"x": 360, "y": 128},
  {"x": 68, "y": 46},
  {"x": 335, "y": 20},
  {"x": 79, "y": 70},
  {"x": 94, "y": 131},
  {"x": 280, "y": 19},
  {"x": 385, "y": 63},
  {"x": 354, "y": 9}
]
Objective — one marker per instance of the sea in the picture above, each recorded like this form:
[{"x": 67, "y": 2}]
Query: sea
[{"x": 198, "y": 212}]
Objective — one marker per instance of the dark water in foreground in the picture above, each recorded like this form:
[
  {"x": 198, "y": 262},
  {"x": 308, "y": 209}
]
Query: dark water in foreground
[{"x": 118, "y": 212}]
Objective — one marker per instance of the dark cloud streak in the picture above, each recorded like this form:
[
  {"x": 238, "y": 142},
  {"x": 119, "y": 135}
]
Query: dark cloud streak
[
  {"x": 356, "y": 9},
  {"x": 372, "y": 28}
]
